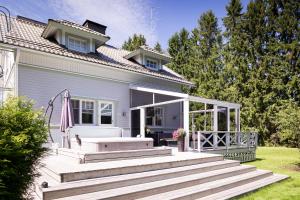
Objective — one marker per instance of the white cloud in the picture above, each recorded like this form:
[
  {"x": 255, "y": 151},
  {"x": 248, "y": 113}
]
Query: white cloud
[{"x": 123, "y": 18}]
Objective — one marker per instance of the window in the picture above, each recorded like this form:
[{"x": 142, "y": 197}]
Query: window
[
  {"x": 106, "y": 113},
  {"x": 151, "y": 64},
  {"x": 154, "y": 116},
  {"x": 87, "y": 112},
  {"x": 83, "y": 111},
  {"x": 77, "y": 44},
  {"x": 76, "y": 110}
]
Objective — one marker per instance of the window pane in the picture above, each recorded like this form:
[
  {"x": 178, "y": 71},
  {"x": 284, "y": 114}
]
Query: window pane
[
  {"x": 106, "y": 113},
  {"x": 87, "y": 118},
  {"x": 87, "y": 112},
  {"x": 150, "y": 112},
  {"x": 149, "y": 121},
  {"x": 75, "y": 106},
  {"x": 158, "y": 121}
]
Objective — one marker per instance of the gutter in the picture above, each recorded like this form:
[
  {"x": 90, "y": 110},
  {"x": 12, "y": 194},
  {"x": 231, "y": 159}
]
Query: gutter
[{"x": 187, "y": 83}]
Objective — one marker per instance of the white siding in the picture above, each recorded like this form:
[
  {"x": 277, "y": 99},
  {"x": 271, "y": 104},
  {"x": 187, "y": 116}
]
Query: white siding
[
  {"x": 41, "y": 85},
  {"x": 62, "y": 64}
]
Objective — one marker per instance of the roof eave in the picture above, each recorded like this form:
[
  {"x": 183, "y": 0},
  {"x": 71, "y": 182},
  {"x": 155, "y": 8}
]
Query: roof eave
[{"x": 51, "y": 22}]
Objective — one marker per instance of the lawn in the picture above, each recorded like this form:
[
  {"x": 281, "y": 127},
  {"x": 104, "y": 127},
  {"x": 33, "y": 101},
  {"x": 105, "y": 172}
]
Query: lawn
[{"x": 279, "y": 160}]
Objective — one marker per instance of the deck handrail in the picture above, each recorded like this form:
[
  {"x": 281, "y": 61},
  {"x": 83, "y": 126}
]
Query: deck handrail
[{"x": 220, "y": 140}]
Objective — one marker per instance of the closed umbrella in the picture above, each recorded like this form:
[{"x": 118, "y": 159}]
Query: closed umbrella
[{"x": 67, "y": 119}]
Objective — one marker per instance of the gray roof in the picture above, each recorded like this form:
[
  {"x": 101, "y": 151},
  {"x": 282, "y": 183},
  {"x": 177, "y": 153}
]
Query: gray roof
[
  {"x": 77, "y": 26},
  {"x": 28, "y": 34}
]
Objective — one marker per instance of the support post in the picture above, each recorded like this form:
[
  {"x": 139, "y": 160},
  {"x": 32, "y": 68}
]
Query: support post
[
  {"x": 237, "y": 126},
  {"x": 199, "y": 141},
  {"x": 215, "y": 139},
  {"x": 193, "y": 132},
  {"x": 205, "y": 107},
  {"x": 228, "y": 119},
  {"x": 142, "y": 122},
  {"x": 186, "y": 123},
  {"x": 228, "y": 129}
]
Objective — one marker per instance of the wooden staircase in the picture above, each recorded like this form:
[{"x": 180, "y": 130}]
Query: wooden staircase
[{"x": 184, "y": 175}]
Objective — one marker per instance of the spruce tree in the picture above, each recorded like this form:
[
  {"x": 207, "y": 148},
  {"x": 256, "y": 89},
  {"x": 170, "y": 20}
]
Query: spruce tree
[
  {"x": 157, "y": 47},
  {"x": 134, "y": 42}
]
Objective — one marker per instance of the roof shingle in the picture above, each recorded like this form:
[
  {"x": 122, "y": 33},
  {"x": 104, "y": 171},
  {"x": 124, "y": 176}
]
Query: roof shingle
[{"x": 26, "y": 33}]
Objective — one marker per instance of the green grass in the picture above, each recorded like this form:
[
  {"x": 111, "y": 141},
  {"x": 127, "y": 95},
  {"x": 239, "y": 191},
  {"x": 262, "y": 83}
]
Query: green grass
[{"x": 279, "y": 160}]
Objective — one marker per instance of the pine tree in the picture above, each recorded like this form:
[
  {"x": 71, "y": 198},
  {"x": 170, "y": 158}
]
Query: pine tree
[
  {"x": 157, "y": 47},
  {"x": 179, "y": 49},
  {"x": 206, "y": 57},
  {"x": 257, "y": 65},
  {"x": 134, "y": 42}
]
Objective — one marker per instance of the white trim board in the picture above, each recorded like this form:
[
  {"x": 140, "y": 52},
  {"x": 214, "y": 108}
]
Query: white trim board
[{"x": 157, "y": 91}]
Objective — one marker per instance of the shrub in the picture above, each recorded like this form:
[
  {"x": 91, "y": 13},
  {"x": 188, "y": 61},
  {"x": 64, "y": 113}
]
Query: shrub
[
  {"x": 287, "y": 121},
  {"x": 22, "y": 133}
]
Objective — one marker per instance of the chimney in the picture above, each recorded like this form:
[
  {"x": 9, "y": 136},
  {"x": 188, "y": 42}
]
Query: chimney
[{"x": 95, "y": 26}]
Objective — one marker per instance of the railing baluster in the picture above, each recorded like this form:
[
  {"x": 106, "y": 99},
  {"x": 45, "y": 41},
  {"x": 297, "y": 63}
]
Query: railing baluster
[
  {"x": 238, "y": 139},
  {"x": 227, "y": 140},
  {"x": 256, "y": 139},
  {"x": 215, "y": 140},
  {"x": 198, "y": 141}
]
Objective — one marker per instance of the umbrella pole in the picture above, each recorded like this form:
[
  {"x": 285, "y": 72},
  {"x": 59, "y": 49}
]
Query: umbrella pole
[{"x": 68, "y": 138}]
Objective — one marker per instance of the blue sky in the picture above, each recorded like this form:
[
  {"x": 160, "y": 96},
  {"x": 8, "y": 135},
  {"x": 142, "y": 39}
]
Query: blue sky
[{"x": 158, "y": 20}]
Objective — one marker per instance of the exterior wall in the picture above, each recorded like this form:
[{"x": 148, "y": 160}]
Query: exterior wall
[
  {"x": 41, "y": 76},
  {"x": 172, "y": 116},
  {"x": 69, "y": 65},
  {"x": 41, "y": 85}
]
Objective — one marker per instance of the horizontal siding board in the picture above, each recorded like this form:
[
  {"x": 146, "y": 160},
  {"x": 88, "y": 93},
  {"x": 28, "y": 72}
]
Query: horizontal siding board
[{"x": 41, "y": 85}]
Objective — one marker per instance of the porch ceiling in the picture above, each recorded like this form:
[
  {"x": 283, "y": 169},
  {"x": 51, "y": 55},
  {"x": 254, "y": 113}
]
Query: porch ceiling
[{"x": 214, "y": 102}]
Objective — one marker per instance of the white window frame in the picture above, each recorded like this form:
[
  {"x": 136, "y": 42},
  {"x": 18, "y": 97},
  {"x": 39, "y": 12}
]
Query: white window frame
[
  {"x": 99, "y": 113},
  {"x": 151, "y": 60},
  {"x": 80, "y": 111},
  {"x": 154, "y": 125},
  {"x": 81, "y": 41}
]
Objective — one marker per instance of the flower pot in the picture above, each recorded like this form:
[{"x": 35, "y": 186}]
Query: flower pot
[{"x": 180, "y": 145}]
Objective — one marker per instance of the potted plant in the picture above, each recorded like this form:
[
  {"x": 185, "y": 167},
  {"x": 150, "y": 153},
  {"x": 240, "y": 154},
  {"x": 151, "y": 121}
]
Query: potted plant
[{"x": 179, "y": 136}]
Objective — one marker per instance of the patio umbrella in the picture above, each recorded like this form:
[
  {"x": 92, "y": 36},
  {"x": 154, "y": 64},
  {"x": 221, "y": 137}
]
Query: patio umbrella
[{"x": 67, "y": 119}]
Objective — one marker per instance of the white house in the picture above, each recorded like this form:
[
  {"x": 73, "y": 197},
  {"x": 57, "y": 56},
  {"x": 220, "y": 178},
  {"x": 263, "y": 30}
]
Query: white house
[
  {"x": 117, "y": 93},
  {"x": 114, "y": 92}
]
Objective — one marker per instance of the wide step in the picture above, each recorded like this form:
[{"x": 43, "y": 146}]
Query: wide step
[
  {"x": 91, "y": 157},
  {"x": 152, "y": 188},
  {"x": 77, "y": 172},
  {"x": 99, "y": 184},
  {"x": 237, "y": 191},
  {"x": 204, "y": 190}
]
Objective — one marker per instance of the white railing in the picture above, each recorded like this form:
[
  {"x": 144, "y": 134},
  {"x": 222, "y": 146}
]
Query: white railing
[{"x": 224, "y": 140}]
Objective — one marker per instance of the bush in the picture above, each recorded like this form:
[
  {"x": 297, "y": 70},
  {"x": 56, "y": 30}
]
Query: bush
[
  {"x": 287, "y": 121},
  {"x": 22, "y": 133}
]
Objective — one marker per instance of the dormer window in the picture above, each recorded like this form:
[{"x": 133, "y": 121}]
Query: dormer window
[
  {"x": 149, "y": 58},
  {"x": 151, "y": 64},
  {"x": 84, "y": 38},
  {"x": 77, "y": 44}
]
